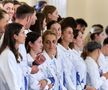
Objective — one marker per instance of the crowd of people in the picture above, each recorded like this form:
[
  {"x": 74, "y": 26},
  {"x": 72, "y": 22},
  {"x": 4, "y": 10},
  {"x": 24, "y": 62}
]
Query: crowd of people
[{"x": 40, "y": 50}]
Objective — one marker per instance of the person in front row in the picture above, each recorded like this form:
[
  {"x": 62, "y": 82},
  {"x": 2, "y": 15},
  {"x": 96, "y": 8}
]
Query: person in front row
[
  {"x": 35, "y": 58},
  {"x": 11, "y": 75}
]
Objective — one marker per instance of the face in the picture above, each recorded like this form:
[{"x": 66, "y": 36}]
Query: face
[
  {"x": 3, "y": 23},
  {"x": 9, "y": 7},
  {"x": 54, "y": 16},
  {"x": 79, "y": 40},
  {"x": 96, "y": 54},
  {"x": 106, "y": 49},
  {"x": 30, "y": 20},
  {"x": 50, "y": 43},
  {"x": 20, "y": 38},
  {"x": 33, "y": 18},
  {"x": 100, "y": 38},
  {"x": 44, "y": 23},
  {"x": 81, "y": 28},
  {"x": 67, "y": 35},
  {"x": 56, "y": 28},
  {"x": 37, "y": 45}
]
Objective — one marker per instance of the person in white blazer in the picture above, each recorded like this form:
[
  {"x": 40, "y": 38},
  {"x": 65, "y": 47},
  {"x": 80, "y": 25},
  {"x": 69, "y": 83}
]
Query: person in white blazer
[
  {"x": 34, "y": 46},
  {"x": 26, "y": 17},
  {"x": 105, "y": 52},
  {"x": 95, "y": 77},
  {"x": 103, "y": 60},
  {"x": 10, "y": 58},
  {"x": 78, "y": 62},
  {"x": 55, "y": 27},
  {"x": 53, "y": 62},
  {"x": 66, "y": 53}
]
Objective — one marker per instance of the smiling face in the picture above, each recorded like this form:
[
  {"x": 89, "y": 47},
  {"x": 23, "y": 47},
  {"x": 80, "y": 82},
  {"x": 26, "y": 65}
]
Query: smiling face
[{"x": 9, "y": 8}]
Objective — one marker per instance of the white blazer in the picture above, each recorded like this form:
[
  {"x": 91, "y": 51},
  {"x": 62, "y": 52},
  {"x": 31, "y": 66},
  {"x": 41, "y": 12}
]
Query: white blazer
[
  {"x": 51, "y": 69},
  {"x": 10, "y": 70},
  {"x": 80, "y": 67},
  {"x": 68, "y": 68},
  {"x": 104, "y": 67},
  {"x": 94, "y": 78}
]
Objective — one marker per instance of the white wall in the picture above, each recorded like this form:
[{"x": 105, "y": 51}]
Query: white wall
[
  {"x": 97, "y": 11},
  {"x": 30, "y": 2},
  {"x": 93, "y": 11}
]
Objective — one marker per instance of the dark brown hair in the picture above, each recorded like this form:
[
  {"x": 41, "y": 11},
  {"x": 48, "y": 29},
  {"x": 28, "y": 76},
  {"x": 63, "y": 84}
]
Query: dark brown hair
[
  {"x": 49, "y": 9},
  {"x": 31, "y": 37},
  {"x": 90, "y": 47},
  {"x": 2, "y": 12},
  {"x": 9, "y": 41}
]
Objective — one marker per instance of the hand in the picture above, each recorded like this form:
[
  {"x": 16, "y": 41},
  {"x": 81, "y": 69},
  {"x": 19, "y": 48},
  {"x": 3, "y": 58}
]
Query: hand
[
  {"x": 42, "y": 84},
  {"x": 105, "y": 75},
  {"x": 90, "y": 88},
  {"x": 40, "y": 59},
  {"x": 35, "y": 69},
  {"x": 52, "y": 52},
  {"x": 50, "y": 86}
]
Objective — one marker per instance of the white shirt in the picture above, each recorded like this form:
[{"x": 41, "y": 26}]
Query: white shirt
[
  {"x": 93, "y": 74},
  {"x": 69, "y": 69},
  {"x": 50, "y": 70},
  {"x": 80, "y": 67},
  {"x": 34, "y": 78},
  {"x": 104, "y": 67},
  {"x": 11, "y": 71},
  {"x": 103, "y": 63}
]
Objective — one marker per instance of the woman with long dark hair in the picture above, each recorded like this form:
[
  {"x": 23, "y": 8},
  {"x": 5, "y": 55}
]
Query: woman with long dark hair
[{"x": 10, "y": 58}]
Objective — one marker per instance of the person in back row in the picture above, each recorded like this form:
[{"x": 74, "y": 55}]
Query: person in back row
[
  {"x": 55, "y": 27},
  {"x": 51, "y": 13},
  {"x": 8, "y": 6},
  {"x": 40, "y": 24},
  {"x": 81, "y": 24},
  {"x": 25, "y": 15}
]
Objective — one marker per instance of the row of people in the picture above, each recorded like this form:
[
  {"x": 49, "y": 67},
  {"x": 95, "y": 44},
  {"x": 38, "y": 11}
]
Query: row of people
[{"x": 57, "y": 63}]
